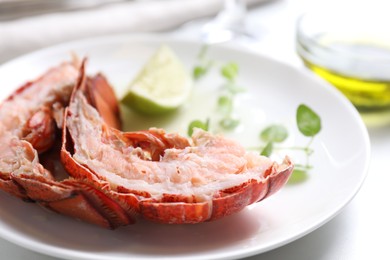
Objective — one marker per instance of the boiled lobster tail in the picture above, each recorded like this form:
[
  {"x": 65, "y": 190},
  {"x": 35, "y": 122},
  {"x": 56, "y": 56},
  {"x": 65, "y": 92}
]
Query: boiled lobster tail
[
  {"x": 27, "y": 125},
  {"x": 29, "y": 134},
  {"x": 65, "y": 151},
  {"x": 166, "y": 177}
]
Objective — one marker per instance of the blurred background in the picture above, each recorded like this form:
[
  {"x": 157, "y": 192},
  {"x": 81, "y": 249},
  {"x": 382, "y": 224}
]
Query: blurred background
[
  {"x": 345, "y": 42},
  {"x": 26, "y": 25}
]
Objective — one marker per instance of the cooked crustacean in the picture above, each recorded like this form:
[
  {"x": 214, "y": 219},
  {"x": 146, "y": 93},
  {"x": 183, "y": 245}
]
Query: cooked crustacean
[
  {"x": 30, "y": 166},
  {"x": 28, "y": 120},
  {"x": 116, "y": 176},
  {"x": 166, "y": 177}
]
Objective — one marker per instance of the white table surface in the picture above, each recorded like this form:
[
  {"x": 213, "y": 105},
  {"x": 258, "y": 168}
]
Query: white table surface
[{"x": 361, "y": 230}]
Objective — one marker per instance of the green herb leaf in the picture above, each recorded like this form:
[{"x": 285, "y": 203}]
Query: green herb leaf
[
  {"x": 199, "y": 72},
  {"x": 274, "y": 133},
  {"x": 225, "y": 104},
  {"x": 267, "y": 151},
  {"x": 309, "y": 123},
  {"x": 298, "y": 176},
  {"x": 229, "y": 123},
  {"x": 230, "y": 71},
  {"x": 204, "y": 66},
  {"x": 197, "y": 124}
]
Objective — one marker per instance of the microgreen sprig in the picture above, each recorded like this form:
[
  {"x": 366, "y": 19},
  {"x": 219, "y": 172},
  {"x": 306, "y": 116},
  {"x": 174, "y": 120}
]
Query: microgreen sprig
[
  {"x": 229, "y": 72},
  {"x": 272, "y": 134},
  {"x": 230, "y": 89},
  {"x": 308, "y": 122},
  {"x": 198, "y": 124},
  {"x": 309, "y": 125},
  {"x": 204, "y": 64}
]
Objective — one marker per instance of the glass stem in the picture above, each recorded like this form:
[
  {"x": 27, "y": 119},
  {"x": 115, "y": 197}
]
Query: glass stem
[
  {"x": 235, "y": 4},
  {"x": 228, "y": 24},
  {"x": 236, "y": 10}
]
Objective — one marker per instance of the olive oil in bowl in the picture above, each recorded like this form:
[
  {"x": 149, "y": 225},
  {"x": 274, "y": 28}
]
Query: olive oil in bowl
[
  {"x": 367, "y": 86},
  {"x": 351, "y": 57}
]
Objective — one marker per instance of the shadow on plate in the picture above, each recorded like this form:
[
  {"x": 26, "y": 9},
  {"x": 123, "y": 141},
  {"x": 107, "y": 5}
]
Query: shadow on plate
[{"x": 48, "y": 231}]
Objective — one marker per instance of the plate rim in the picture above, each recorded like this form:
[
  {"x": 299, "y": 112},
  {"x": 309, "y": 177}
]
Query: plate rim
[{"x": 50, "y": 250}]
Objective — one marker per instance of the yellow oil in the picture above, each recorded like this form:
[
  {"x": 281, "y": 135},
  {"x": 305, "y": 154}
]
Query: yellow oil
[
  {"x": 358, "y": 67},
  {"x": 368, "y": 95}
]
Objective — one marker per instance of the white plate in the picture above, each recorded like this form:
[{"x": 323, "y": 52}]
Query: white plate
[{"x": 274, "y": 90}]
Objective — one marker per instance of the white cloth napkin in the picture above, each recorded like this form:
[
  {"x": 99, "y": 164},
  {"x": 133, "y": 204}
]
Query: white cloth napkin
[{"x": 31, "y": 33}]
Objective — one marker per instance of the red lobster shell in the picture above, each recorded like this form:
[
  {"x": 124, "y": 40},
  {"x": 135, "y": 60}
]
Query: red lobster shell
[{"x": 110, "y": 177}]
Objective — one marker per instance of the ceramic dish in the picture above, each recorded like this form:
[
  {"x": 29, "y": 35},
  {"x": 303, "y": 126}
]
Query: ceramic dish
[{"x": 273, "y": 92}]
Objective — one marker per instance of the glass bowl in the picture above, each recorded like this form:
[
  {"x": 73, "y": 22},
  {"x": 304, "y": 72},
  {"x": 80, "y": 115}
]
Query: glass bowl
[{"x": 351, "y": 50}]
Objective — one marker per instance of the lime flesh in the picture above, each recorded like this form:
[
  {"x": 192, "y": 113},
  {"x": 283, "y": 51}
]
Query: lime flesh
[{"x": 161, "y": 86}]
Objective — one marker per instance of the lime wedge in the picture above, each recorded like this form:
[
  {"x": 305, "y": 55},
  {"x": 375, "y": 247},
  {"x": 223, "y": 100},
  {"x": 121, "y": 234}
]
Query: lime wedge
[{"x": 161, "y": 86}]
